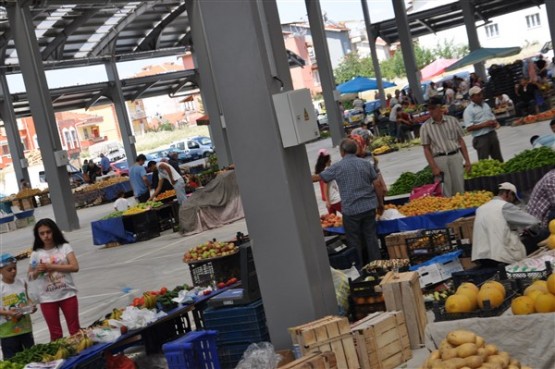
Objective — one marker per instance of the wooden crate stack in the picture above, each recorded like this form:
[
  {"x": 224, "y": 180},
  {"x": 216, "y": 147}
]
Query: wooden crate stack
[
  {"x": 382, "y": 340},
  {"x": 324, "y": 360},
  {"x": 462, "y": 228},
  {"x": 396, "y": 245},
  {"x": 330, "y": 333},
  {"x": 402, "y": 292}
]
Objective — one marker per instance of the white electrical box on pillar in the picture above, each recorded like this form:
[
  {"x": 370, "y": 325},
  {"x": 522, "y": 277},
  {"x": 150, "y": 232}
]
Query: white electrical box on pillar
[
  {"x": 61, "y": 158},
  {"x": 296, "y": 117}
]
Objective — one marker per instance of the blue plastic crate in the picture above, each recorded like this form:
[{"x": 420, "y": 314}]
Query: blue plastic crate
[
  {"x": 223, "y": 328},
  {"x": 244, "y": 336},
  {"x": 236, "y": 312},
  {"x": 195, "y": 350},
  {"x": 230, "y": 355},
  {"x": 226, "y": 324}
]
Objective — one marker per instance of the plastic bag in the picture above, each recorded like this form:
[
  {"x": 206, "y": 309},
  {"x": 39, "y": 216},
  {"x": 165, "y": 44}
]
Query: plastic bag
[
  {"x": 390, "y": 214},
  {"x": 104, "y": 335},
  {"x": 341, "y": 285},
  {"x": 433, "y": 189},
  {"x": 120, "y": 362},
  {"x": 134, "y": 318},
  {"x": 259, "y": 355}
]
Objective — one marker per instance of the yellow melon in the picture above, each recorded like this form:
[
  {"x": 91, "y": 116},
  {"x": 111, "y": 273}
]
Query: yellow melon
[
  {"x": 551, "y": 241},
  {"x": 492, "y": 294},
  {"x": 470, "y": 294},
  {"x": 496, "y": 285},
  {"x": 545, "y": 303},
  {"x": 551, "y": 281},
  {"x": 552, "y": 226},
  {"x": 458, "y": 304},
  {"x": 535, "y": 286},
  {"x": 522, "y": 305},
  {"x": 533, "y": 294},
  {"x": 472, "y": 286}
]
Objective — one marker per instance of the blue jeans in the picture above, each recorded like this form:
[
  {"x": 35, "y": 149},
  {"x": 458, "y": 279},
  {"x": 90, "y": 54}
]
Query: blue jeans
[{"x": 360, "y": 233}]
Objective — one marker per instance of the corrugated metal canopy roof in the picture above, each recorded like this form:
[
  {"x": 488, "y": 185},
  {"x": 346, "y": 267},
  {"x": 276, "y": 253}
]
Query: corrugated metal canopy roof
[{"x": 449, "y": 16}]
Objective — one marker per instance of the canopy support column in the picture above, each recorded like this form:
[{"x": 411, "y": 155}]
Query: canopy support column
[
  {"x": 7, "y": 115},
  {"x": 372, "y": 36},
  {"x": 318, "y": 33},
  {"x": 124, "y": 124},
  {"x": 468, "y": 10},
  {"x": 28, "y": 52},
  {"x": 275, "y": 185},
  {"x": 406, "y": 47},
  {"x": 550, "y": 10}
]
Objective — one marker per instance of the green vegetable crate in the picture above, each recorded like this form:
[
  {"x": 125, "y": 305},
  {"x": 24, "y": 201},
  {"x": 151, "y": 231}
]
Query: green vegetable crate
[{"x": 524, "y": 181}]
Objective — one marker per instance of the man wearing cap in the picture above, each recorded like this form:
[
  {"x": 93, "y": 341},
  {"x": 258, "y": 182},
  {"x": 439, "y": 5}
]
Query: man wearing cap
[
  {"x": 444, "y": 148},
  {"x": 480, "y": 121},
  {"x": 495, "y": 238}
]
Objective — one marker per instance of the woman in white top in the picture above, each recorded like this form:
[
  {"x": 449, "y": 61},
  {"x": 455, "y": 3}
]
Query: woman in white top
[
  {"x": 330, "y": 190},
  {"x": 52, "y": 262}
]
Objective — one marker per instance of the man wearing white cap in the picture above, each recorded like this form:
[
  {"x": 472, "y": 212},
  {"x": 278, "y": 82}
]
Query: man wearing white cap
[
  {"x": 495, "y": 237},
  {"x": 480, "y": 121}
]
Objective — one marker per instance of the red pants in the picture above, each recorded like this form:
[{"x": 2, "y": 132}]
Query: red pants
[
  {"x": 334, "y": 208},
  {"x": 51, "y": 313}
]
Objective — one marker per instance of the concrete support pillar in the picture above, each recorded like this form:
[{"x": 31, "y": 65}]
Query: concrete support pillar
[
  {"x": 23, "y": 31},
  {"x": 473, "y": 40},
  {"x": 550, "y": 10},
  {"x": 210, "y": 98},
  {"x": 124, "y": 123},
  {"x": 275, "y": 185},
  {"x": 371, "y": 34},
  {"x": 408, "y": 51},
  {"x": 318, "y": 33},
  {"x": 7, "y": 115}
]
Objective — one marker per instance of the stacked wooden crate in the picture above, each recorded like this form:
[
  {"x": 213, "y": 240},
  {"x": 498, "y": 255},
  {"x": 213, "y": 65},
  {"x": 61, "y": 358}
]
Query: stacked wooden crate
[
  {"x": 324, "y": 360},
  {"x": 402, "y": 292},
  {"x": 396, "y": 244},
  {"x": 382, "y": 340},
  {"x": 330, "y": 333}
]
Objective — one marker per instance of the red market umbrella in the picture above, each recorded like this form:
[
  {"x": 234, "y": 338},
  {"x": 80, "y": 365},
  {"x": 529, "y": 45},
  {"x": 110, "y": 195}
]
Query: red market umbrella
[{"x": 435, "y": 68}]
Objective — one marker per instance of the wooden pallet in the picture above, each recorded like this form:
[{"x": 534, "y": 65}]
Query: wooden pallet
[
  {"x": 324, "y": 360},
  {"x": 402, "y": 292},
  {"x": 330, "y": 333},
  {"x": 382, "y": 340}
]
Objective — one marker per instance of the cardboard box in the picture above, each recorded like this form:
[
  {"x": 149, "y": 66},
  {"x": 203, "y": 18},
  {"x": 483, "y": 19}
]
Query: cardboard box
[
  {"x": 402, "y": 292},
  {"x": 382, "y": 340},
  {"x": 429, "y": 275},
  {"x": 467, "y": 263},
  {"x": 330, "y": 333},
  {"x": 447, "y": 268}
]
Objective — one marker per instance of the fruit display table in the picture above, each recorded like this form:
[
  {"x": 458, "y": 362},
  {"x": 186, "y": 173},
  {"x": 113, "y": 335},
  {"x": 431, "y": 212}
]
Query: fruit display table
[
  {"x": 526, "y": 337},
  {"x": 110, "y": 230},
  {"x": 435, "y": 220}
]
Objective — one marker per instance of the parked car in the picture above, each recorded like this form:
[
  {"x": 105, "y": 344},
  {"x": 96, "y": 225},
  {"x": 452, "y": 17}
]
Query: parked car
[
  {"x": 75, "y": 175},
  {"x": 120, "y": 167},
  {"x": 198, "y": 146}
]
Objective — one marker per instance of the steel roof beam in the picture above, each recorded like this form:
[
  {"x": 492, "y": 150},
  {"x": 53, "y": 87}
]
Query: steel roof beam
[
  {"x": 426, "y": 25},
  {"x": 67, "y": 31},
  {"x": 141, "y": 91},
  {"x": 150, "y": 42}
]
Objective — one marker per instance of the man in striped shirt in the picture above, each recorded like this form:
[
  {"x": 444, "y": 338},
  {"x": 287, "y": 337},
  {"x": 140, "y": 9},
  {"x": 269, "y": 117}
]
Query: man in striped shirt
[{"x": 444, "y": 148}]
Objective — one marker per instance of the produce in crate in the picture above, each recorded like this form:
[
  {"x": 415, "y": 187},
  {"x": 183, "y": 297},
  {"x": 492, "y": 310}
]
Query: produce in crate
[
  {"x": 551, "y": 239},
  {"x": 485, "y": 168},
  {"x": 430, "y": 204},
  {"x": 210, "y": 249},
  {"x": 530, "y": 159},
  {"x": 469, "y": 298},
  {"x": 165, "y": 195},
  {"x": 465, "y": 349},
  {"x": 331, "y": 220},
  {"x": 539, "y": 297}
]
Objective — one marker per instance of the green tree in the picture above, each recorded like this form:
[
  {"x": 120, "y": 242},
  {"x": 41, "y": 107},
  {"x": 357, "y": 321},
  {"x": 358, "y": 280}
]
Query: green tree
[
  {"x": 352, "y": 65},
  {"x": 448, "y": 50},
  {"x": 395, "y": 66}
]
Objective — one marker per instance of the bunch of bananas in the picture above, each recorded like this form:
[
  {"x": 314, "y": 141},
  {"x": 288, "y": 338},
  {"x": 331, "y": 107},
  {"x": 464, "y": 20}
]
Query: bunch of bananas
[
  {"x": 62, "y": 353},
  {"x": 150, "y": 300},
  {"x": 381, "y": 150},
  {"x": 85, "y": 343},
  {"x": 116, "y": 314}
]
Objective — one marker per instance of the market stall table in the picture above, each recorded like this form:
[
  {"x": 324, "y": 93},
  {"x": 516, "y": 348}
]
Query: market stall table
[
  {"x": 105, "y": 231},
  {"x": 435, "y": 220}
]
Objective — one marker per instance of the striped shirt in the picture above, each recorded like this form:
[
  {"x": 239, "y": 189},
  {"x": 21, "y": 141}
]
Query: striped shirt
[
  {"x": 443, "y": 137},
  {"x": 476, "y": 114},
  {"x": 355, "y": 178}
]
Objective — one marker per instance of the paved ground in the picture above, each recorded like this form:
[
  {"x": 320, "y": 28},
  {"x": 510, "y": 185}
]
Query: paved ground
[{"x": 106, "y": 273}]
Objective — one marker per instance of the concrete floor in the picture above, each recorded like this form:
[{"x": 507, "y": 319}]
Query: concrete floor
[{"x": 106, "y": 273}]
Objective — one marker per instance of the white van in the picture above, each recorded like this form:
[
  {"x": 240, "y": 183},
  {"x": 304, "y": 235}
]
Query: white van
[{"x": 113, "y": 150}]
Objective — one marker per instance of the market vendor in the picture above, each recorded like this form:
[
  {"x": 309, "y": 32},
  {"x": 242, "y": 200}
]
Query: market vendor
[
  {"x": 167, "y": 173},
  {"x": 495, "y": 237}
]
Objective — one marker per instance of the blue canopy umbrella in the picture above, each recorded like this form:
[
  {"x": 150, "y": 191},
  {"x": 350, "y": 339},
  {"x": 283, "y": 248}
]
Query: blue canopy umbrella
[
  {"x": 359, "y": 84},
  {"x": 483, "y": 54}
]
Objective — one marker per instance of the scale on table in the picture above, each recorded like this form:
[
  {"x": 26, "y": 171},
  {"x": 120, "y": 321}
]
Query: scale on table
[{"x": 334, "y": 245}]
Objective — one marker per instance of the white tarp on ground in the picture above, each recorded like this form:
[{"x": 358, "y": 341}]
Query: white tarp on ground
[{"x": 527, "y": 338}]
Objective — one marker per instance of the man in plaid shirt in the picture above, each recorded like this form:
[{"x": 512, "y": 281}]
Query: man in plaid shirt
[
  {"x": 542, "y": 200},
  {"x": 361, "y": 195}
]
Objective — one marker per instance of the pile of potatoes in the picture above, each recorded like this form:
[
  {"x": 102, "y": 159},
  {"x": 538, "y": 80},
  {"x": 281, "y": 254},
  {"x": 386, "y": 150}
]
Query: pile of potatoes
[{"x": 465, "y": 350}]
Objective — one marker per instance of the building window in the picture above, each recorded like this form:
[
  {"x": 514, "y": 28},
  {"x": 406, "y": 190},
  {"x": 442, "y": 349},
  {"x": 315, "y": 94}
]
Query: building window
[
  {"x": 74, "y": 137},
  {"x": 533, "y": 21},
  {"x": 316, "y": 77},
  {"x": 492, "y": 30}
]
